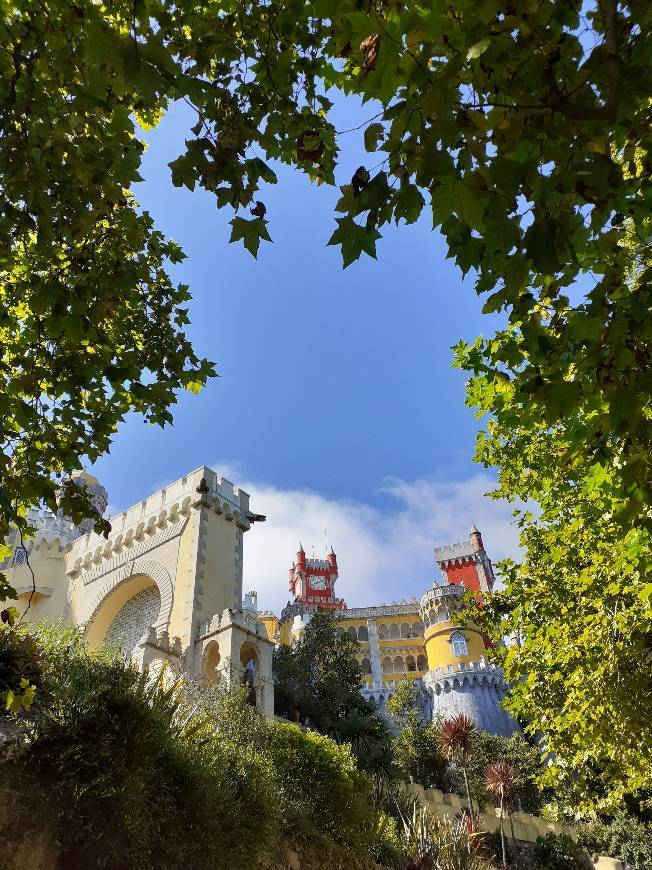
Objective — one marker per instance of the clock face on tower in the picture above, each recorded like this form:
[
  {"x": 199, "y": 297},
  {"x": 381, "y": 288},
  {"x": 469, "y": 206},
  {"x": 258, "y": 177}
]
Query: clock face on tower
[{"x": 318, "y": 582}]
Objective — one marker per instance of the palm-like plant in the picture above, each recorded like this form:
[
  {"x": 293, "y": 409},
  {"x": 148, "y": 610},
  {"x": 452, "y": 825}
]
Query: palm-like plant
[
  {"x": 500, "y": 781},
  {"x": 454, "y": 739},
  {"x": 440, "y": 844}
]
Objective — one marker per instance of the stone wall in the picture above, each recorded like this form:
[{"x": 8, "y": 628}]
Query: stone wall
[{"x": 526, "y": 827}]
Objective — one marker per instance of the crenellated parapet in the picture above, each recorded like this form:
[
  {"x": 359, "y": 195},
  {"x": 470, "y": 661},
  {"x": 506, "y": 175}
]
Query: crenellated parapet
[
  {"x": 440, "y": 599},
  {"x": 159, "y": 639},
  {"x": 474, "y": 673},
  {"x": 243, "y": 620},
  {"x": 157, "y": 518},
  {"x": 467, "y": 563}
]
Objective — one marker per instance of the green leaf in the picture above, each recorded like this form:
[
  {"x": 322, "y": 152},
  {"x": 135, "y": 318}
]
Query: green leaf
[
  {"x": 479, "y": 48},
  {"x": 372, "y": 136},
  {"x": 354, "y": 240},
  {"x": 250, "y": 232}
]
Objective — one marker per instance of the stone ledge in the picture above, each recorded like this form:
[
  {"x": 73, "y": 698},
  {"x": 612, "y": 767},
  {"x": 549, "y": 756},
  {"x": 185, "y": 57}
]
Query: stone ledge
[{"x": 526, "y": 826}]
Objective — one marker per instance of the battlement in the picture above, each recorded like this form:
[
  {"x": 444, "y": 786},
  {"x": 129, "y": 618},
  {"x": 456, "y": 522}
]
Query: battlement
[
  {"x": 405, "y": 608},
  {"x": 229, "y": 617},
  {"x": 463, "y": 550},
  {"x": 441, "y": 593},
  {"x": 201, "y": 487},
  {"x": 318, "y": 563},
  {"x": 160, "y": 640},
  {"x": 48, "y": 525}
]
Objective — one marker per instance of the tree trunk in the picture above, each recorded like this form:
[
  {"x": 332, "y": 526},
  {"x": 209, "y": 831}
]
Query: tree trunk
[
  {"x": 468, "y": 793},
  {"x": 502, "y": 832}
]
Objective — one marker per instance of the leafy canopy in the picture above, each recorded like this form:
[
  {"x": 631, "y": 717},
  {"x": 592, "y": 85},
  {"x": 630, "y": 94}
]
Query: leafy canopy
[
  {"x": 522, "y": 128},
  {"x": 318, "y": 679}
]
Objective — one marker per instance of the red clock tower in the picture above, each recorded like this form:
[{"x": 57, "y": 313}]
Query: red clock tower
[{"x": 312, "y": 581}]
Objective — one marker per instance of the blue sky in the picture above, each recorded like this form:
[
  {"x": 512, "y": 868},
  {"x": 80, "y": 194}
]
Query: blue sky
[{"x": 334, "y": 385}]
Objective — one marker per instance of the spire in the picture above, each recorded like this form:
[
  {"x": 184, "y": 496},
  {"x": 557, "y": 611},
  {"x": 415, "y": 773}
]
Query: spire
[{"x": 476, "y": 539}]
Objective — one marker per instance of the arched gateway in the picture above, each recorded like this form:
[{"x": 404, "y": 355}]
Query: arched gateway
[{"x": 170, "y": 567}]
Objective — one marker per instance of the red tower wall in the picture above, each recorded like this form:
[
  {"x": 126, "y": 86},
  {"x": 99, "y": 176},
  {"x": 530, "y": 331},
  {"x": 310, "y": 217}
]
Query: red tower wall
[{"x": 465, "y": 574}]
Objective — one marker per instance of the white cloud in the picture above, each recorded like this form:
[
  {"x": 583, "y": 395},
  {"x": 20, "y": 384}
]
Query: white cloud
[{"x": 383, "y": 555}]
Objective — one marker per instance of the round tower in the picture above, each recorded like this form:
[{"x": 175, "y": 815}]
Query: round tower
[
  {"x": 446, "y": 642},
  {"x": 459, "y": 680}
]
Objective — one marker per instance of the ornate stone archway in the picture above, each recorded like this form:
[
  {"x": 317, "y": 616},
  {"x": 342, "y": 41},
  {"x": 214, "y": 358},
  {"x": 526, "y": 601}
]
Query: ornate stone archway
[{"x": 122, "y": 587}]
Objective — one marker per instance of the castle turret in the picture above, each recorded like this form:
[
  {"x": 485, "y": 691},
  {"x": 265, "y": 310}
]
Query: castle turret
[
  {"x": 312, "y": 584},
  {"x": 448, "y": 643},
  {"x": 476, "y": 539},
  {"x": 467, "y": 564},
  {"x": 459, "y": 680}
]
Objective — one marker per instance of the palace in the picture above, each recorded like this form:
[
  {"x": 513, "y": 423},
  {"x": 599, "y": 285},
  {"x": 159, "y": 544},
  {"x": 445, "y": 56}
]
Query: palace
[
  {"x": 417, "y": 639},
  {"x": 166, "y": 586}
]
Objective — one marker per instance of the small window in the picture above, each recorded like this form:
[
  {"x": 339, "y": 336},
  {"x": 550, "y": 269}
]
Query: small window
[{"x": 460, "y": 647}]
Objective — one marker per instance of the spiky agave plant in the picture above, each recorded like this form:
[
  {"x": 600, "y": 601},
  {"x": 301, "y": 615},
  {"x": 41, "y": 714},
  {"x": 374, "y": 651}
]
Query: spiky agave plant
[
  {"x": 454, "y": 739},
  {"x": 441, "y": 844},
  {"x": 457, "y": 844},
  {"x": 500, "y": 781},
  {"x": 420, "y": 844}
]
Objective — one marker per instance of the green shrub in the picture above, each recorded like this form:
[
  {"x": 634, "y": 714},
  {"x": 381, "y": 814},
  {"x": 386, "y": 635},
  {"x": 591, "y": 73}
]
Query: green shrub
[
  {"x": 21, "y": 667},
  {"x": 415, "y": 745},
  {"x": 386, "y": 846},
  {"x": 623, "y": 837},
  {"x": 560, "y": 852},
  {"x": 134, "y": 780},
  {"x": 524, "y": 759},
  {"x": 321, "y": 790}
]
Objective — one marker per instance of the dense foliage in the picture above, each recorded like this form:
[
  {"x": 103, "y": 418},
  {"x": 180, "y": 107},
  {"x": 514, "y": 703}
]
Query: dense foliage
[
  {"x": 523, "y": 128},
  {"x": 166, "y": 774},
  {"x": 623, "y": 837},
  {"x": 414, "y": 745},
  {"x": 321, "y": 789},
  {"x": 552, "y": 852},
  {"x": 112, "y": 751},
  {"x": 420, "y": 755},
  {"x": 525, "y": 761},
  {"x": 317, "y": 680}
]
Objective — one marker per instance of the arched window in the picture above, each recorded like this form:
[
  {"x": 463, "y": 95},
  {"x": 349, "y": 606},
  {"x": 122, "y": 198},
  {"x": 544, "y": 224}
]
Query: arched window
[
  {"x": 417, "y": 629},
  {"x": 383, "y": 632},
  {"x": 410, "y": 664},
  {"x": 387, "y": 665},
  {"x": 249, "y": 662},
  {"x": 394, "y": 631},
  {"x": 399, "y": 667},
  {"x": 422, "y": 663},
  {"x": 352, "y": 632},
  {"x": 365, "y": 664},
  {"x": 210, "y": 661},
  {"x": 363, "y": 634},
  {"x": 460, "y": 646},
  {"x": 405, "y": 629}
]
